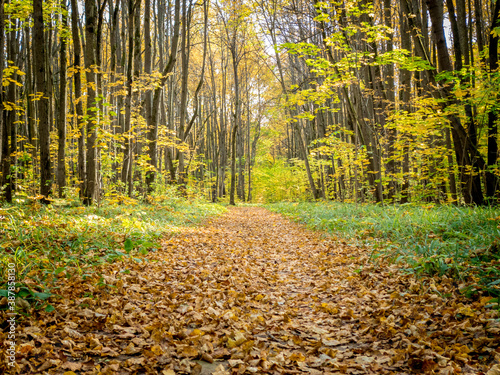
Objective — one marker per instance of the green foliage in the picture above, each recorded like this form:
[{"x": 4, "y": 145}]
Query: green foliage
[
  {"x": 438, "y": 240},
  {"x": 47, "y": 243},
  {"x": 275, "y": 180}
]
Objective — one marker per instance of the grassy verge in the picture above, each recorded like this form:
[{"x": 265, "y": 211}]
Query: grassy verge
[
  {"x": 461, "y": 242},
  {"x": 47, "y": 243}
]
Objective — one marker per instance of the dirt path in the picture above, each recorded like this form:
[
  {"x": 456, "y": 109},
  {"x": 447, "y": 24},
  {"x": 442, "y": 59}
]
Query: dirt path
[{"x": 254, "y": 293}]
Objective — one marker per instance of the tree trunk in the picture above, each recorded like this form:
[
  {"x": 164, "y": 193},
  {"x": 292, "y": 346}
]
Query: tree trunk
[
  {"x": 152, "y": 132},
  {"x": 4, "y": 150},
  {"x": 43, "y": 102},
  {"x": 127, "y": 150},
  {"x": 404, "y": 98},
  {"x": 61, "y": 123},
  {"x": 491, "y": 177},
  {"x": 92, "y": 110},
  {"x": 237, "y": 119},
  {"x": 77, "y": 49},
  {"x": 391, "y": 99},
  {"x": 185, "y": 54}
]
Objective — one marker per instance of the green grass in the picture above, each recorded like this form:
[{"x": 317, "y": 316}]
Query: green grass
[
  {"x": 47, "y": 243},
  {"x": 461, "y": 242}
]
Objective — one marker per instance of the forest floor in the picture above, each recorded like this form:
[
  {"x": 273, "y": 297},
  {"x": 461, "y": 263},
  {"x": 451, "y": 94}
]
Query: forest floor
[{"x": 252, "y": 292}]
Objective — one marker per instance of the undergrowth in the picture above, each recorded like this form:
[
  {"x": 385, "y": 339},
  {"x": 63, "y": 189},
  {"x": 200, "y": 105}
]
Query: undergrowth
[
  {"x": 461, "y": 242},
  {"x": 47, "y": 243}
]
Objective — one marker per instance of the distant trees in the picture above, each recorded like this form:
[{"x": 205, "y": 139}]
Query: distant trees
[
  {"x": 341, "y": 85},
  {"x": 42, "y": 96}
]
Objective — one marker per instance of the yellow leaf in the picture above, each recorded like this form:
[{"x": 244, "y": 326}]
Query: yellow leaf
[
  {"x": 239, "y": 338},
  {"x": 190, "y": 351},
  {"x": 197, "y": 332},
  {"x": 156, "y": 349},
  {"x": 329, "y": 308},
  {"x": 466, "y": 311},
  {"x": 231, "y": 343},
  {"x": 297, "y": 357}
]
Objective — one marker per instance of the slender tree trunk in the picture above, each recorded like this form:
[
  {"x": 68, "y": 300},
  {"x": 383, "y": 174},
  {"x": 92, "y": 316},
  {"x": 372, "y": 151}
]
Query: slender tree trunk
[
  {"x": 237, "y": 117},
  {"x": 77, "y": 50},
  {"x": 478, "y": 12},
  {"x": 92, "y": 110},
  {"x": 152, "y": 131},
  {"x": 30, "y": 112},
  {"x": 404, "y": 97},
  {"x": 491, "y": 177},
  {"x": 127, "y": 150},
  {"x": 391, "y": 99},
  {"x": 116, "y": 68},
  {"x": 100, "y": 8},
  {"x": 61, "y": 124},
  {"x": 185, "y": 54},
  {"x": 4, "y": 150},
  {"x": 43, "y": 103}
]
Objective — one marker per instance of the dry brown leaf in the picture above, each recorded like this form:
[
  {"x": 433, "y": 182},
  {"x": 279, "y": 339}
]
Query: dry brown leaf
[
  {"x": 495, "y": 370},
  {"x": 220, "y": 370}
]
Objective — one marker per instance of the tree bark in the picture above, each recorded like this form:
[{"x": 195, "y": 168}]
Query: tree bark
[
  {"x": 237, "y": 118},
  {"x": 491, "y": 177},
  {"x": 43, "y": 103},
  {"x": 4, "y": 150},
  {"x": 185, "y": 55},
  {"x": 92, "y": 110},
  {"x": 152, "y": 131},
  {"x": 77, "y": 50},
  {"x": 61, "y": 123},
  {"x": 127, "y": 150}
]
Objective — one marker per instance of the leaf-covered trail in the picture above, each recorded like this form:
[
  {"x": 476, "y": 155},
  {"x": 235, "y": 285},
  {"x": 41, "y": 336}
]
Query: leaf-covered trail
[{"x": 254, "y": 293}]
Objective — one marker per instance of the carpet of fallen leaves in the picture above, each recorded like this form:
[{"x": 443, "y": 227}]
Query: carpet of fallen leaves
[{"x": 252, "y": 293}]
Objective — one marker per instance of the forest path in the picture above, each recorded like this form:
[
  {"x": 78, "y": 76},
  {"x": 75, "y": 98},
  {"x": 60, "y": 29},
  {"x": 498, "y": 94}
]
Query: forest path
[{"x": 251, "y": 292}]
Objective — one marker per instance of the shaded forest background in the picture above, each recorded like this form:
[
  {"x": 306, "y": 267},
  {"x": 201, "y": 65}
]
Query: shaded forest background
[{"x": 355, "y": 101}]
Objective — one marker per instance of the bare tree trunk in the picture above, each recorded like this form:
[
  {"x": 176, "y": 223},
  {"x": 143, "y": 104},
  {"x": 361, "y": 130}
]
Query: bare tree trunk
[
  {"x": 30, "y": 112},
  {"x": 127, "y": 150},
  {"x": 116, "y": 68},
  {"x": 404, "y": 97},
  {"x": 92, "y": 111},
  {"x": 43, "y": 102},
  {"x": 77, "y": 50},
  {"x": 478, "y": 12},
  {"x": 237, "y": 117},
  {"x": 491, "y": 177},
  {"x": 4, "y": 150},
  {"x": 61, "y": 123},
  {"x": 185, "y": 52},
  {"x": 152, "y": 132},
  {"x": 391, "y": 99}
]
